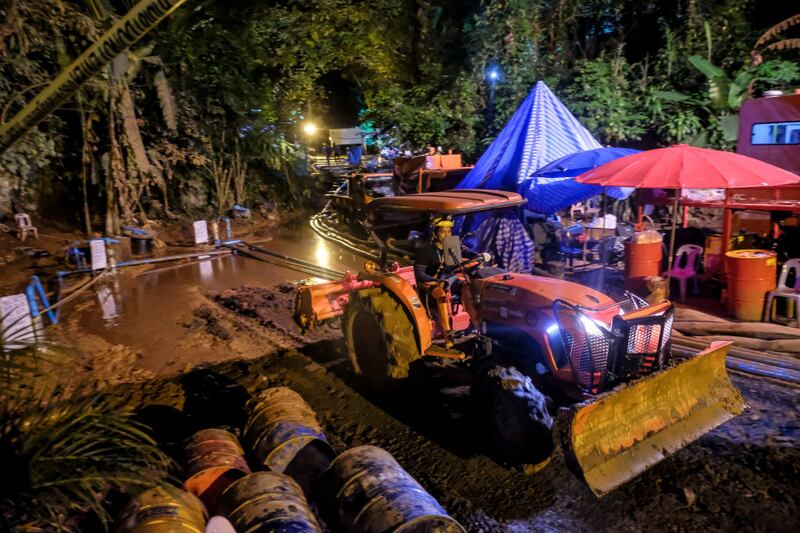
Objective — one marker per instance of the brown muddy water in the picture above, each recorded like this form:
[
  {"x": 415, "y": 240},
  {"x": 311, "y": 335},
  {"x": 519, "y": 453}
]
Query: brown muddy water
[{"x": 149, "y": 309}]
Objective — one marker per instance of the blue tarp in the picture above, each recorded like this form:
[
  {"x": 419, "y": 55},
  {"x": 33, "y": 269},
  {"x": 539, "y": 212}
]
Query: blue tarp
[
  {"x": 354, "y": 155},
  {"x": 553, "y": 186},
  {"x": 540, "y": 131}
]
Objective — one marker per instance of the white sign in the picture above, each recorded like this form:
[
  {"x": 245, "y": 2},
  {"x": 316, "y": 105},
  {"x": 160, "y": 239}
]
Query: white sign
[
  {"x": 16, "y": 323},
  {"x": 200, "y": 232},
  {"x": 347, "y": 136},
  {"x": 99, "y": 258}
]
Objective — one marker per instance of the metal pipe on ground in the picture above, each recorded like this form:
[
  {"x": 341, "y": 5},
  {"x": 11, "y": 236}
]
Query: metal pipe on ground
[
  {"x": 152, "y": 260},
  {"x": 373, "y": 494},
  {"x": 301, "y": 262},
  {"x": 323, "y": 232},
  {"x": 284, "y": 264},
  {"x": 214, "y": 460},
  {"x": 283, "y": 432},
  {"x": 163, "y": 509},
  {"x": 268, "y": 501}
]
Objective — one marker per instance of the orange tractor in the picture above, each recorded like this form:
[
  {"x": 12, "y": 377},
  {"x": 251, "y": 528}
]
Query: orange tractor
[{"x": 535, "y": 343}]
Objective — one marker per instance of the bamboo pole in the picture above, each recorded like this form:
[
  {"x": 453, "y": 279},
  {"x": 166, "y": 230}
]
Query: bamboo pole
[{"x": 672, "y": 239}]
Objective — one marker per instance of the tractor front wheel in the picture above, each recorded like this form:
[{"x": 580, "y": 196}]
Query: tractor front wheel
[
  {"x": 380, "y": 337},
  {"x": 519, "y": 425}
]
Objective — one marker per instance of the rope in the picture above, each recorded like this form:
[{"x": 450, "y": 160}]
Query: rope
[{"x": 75, "y": 292}]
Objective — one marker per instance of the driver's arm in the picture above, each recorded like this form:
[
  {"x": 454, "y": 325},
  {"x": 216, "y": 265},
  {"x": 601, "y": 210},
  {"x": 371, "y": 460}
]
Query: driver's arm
[
  {"x": 424, "y": 260},
  {"x": 420, "y": 274},
  {"x": 468, "y": 253}
]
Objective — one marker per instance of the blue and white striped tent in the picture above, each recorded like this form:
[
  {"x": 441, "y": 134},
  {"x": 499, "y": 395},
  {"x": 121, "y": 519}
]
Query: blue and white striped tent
[{"x": 540, "y": 131}]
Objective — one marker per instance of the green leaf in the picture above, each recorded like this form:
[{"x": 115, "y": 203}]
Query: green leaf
[
  {"x": 705, "y": 66},
  {"x": 672, "y": 96},
  {"x": 700, "y": 140},
  {"x": 718, "y": 92},
  {"x": 730, "y": 127}
]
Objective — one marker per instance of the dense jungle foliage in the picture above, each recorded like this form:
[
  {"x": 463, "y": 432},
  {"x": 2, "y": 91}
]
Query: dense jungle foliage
[{"x": 205, "y": 111}]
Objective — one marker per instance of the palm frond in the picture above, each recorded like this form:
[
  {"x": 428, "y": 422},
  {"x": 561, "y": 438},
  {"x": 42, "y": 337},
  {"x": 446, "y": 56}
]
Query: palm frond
[
  {"x": 67, "y": 444},
  {"x": 778, "y": 28},
  {"x": 786, "y": 44}
]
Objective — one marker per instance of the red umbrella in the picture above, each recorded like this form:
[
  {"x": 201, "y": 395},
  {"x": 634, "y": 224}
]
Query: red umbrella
[{"x": 686, "y": 167}]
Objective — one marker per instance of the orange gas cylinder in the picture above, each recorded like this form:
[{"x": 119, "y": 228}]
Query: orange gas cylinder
[
  {"x": 642, "y": 260},
  {"x": 751, "y": 274}
]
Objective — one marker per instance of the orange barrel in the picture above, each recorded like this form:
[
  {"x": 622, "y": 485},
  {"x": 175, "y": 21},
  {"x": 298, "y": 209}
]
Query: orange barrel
[
  {"x": 642, "y": 260},
  {"x": 751, "y": 274},
  {"x": 283, "y": 432},
  {"x": 373, "y": 494},
  {"x": 163, "y": 509},
  {"x": 268, "y": 501},
  {"x": 214, "y": 460}
]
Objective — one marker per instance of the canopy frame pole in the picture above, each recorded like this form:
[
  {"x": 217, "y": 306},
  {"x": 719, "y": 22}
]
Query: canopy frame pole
[{"x": 672, "y": 240}]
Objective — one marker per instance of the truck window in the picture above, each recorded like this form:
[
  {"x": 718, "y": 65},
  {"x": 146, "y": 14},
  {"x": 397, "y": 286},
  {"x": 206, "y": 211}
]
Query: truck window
[{"x": 775, "y": 133}]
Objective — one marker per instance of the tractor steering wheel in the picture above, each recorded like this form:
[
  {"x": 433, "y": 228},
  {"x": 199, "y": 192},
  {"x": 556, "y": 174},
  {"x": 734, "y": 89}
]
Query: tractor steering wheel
[{"x": 474, "y": 263}]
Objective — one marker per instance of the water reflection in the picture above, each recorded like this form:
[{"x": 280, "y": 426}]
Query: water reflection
[
  {"x": 107, "y": 296},
  {"x": 151, "y": 310},
  {"x": 206, "y": 270},
  {"x": 321, "y": 253}
]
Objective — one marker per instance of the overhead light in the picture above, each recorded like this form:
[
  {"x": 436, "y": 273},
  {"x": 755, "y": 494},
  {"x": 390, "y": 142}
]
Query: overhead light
[{"x": 309, "y": 128}]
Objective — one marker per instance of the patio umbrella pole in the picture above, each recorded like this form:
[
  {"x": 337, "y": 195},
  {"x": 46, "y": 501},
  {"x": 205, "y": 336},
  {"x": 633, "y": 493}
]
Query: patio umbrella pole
[{"x": 672, "y": 239}]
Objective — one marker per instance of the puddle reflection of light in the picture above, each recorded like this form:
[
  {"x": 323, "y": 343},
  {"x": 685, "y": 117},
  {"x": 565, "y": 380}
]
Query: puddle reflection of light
[
  {"x": 206, "y": 270},
  {"x": 322, "y": 255}
]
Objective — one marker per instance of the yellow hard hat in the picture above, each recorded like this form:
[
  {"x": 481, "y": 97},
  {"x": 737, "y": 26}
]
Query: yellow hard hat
[{"x": 441, "y": 222}]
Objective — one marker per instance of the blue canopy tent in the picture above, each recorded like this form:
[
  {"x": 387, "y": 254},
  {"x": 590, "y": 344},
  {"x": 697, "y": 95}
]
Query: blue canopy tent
[
  {"x": 551, "y": 188},
  {"x": 541, "y": 130}
]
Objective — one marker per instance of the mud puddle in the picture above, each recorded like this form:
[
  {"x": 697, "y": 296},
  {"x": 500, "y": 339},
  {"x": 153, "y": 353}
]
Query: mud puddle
[{"x": 153, "y": 310}]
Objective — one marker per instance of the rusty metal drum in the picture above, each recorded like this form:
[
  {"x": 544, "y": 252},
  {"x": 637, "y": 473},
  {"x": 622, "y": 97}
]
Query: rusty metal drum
[
  {"x": 163, "y": 509},
  {"x": 214, "y": 460},
  {"x": 268, "y": 501},
  {"x": 284, "y": 434},
  {"x": 373, "y": 494}
]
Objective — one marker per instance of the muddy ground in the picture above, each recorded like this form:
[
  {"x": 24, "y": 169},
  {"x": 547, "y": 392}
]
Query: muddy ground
[
  {"x": 189, "y": 352},
  {"x": 740, "y": 477}
]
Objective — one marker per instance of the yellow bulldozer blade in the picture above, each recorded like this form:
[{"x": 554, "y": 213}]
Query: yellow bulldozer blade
[{"x": 620, "y": 434}]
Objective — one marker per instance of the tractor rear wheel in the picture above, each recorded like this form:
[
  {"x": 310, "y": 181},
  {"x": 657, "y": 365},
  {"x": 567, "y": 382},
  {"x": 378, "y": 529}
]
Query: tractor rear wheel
[
  {"x": 519, "y": 425},
  {"x": 381, "y": 341}
]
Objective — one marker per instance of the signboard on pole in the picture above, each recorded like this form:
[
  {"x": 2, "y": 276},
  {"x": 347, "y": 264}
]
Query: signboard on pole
[
  {"x": 16, "y": 324},
  {"x": 98, "y": 251},
  {"x": 200, "y": 232},
  {"x": 346, "y": 136}
]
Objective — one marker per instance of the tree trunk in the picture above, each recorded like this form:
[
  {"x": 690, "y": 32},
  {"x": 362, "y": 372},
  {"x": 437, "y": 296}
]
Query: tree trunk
[
  {"x": 85, "y": 158},
  {"x": 117, "y": 167}
]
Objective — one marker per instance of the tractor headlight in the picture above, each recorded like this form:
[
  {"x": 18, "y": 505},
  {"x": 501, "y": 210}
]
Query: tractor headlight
[{"x": 586, "y": 346}]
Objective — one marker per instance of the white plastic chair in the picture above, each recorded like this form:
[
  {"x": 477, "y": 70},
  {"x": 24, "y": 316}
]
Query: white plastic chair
[
  {"x": 783, "y": 290},
  {"x": 24, "y": 227},
  {"x": 687, "y": 255}
]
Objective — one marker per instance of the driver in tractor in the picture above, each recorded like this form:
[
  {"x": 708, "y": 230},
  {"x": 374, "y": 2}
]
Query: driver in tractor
[{"x": 435, "y": 277}]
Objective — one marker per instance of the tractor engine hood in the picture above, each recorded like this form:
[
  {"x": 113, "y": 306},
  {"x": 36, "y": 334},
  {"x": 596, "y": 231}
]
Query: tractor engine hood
[{"x": 538, "y": 291}]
